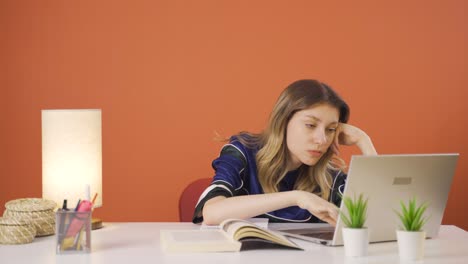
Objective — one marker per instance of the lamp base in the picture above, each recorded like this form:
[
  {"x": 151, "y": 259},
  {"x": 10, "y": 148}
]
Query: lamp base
[{"x": 96, "y": 223}]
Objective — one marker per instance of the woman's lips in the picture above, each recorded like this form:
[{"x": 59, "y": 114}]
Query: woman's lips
[{"x": 315, "y": 153}]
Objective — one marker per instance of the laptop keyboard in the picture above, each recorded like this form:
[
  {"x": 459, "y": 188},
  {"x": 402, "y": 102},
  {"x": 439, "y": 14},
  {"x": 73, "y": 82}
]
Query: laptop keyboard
[
  {"x": 324, "y": 233},
  {"x": 319, "y": 235}
]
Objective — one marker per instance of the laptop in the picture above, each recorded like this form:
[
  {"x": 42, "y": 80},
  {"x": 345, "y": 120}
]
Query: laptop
[{"x": 386, "y": 180}]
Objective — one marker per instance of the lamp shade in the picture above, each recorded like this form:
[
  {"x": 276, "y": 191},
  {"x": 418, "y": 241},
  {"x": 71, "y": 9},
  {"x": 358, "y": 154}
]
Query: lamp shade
[{"x": 71, "y": 155}]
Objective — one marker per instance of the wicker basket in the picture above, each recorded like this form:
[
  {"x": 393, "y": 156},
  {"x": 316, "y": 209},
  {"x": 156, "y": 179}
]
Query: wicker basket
[
  {"x": 13, "y": 231},
  {"x": 39, "y": 212}
]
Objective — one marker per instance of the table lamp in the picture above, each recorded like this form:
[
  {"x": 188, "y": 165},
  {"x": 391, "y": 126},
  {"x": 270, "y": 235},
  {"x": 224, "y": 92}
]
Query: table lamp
[{"x": 72, "y": 157}]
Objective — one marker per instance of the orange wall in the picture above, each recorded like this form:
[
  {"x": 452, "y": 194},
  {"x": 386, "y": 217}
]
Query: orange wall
[{"x": 167, "y": 74}]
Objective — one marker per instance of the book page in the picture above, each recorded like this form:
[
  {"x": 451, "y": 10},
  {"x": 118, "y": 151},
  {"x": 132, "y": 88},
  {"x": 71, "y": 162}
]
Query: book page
[
  {"x": 230, "y": 226},
  {"x": 247, "y": 231},
  {"x": 240, "y": 229},
  {"x": 261, "y": 222}
]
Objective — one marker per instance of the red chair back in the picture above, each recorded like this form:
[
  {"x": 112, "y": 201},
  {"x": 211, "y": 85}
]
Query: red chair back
[{"x": 189, "y": 198}]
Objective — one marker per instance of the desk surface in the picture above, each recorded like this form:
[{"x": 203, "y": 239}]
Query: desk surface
[{"x": 139, "y": 243}]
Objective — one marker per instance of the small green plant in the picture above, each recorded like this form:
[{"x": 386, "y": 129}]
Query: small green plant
[
  {"x": 411, "y": 216},
  {"x": 357, "y": 212}
]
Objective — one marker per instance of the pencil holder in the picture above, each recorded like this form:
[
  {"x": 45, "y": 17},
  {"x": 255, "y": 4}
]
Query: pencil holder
[{"x": 73, "y": 231}]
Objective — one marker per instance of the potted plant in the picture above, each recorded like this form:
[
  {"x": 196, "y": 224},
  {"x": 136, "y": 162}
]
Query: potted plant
[
  {"x": 412, "y": 236},
  {"x": 355, "y": 234}
]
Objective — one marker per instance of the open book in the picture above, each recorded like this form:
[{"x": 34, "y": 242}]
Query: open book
[{"x": 233, "y": 235}]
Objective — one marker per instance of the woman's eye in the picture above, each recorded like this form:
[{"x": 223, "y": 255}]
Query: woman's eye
[
  {"x": 310, "y": 125},
  {"x": 331, "y": 130}
]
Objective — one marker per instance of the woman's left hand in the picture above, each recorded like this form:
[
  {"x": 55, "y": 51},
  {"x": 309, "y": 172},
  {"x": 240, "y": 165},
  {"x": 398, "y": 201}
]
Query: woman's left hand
[{"x": 349, "y": 135}]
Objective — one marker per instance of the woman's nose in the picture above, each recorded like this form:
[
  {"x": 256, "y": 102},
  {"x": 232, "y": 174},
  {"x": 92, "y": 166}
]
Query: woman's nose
[{"x": 320, "y": 137}]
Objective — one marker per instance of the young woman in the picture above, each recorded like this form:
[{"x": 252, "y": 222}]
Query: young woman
[{"x": 291, "y": 171}]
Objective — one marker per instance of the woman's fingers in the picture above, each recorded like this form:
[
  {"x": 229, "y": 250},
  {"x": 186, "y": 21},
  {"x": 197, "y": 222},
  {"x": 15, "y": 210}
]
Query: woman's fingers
[
  {"x": 328, "y": 214},
  {"x": 333, "y": 212},
  {"x": 335, "y": 144},
  {"x": 337, "y": 135},
  {"x": 327, "y": 218},
  {"x": 330, "y": 220},
  {"x": 335, "y": 149},
  {"x": 320, "y": 208}
]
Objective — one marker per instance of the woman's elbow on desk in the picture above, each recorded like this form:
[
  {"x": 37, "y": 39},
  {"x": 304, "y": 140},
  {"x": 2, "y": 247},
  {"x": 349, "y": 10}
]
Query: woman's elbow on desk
[{"x": 211, "y": 212}]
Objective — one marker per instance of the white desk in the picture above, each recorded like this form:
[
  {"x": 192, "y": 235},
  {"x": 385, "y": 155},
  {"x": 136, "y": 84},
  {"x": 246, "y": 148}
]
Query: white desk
[{"x": 139, "y": 243}]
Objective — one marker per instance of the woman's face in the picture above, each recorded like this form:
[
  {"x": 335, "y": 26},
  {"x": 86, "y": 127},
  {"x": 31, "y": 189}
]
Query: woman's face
[{"x": 309, "y": 134}]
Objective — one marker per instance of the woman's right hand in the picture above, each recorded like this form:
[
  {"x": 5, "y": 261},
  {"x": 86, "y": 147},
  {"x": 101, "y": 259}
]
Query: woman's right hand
[
  {"x": 220, "y": 208},
  {"x": 317, "y": 206},
  {"x": 349, "y": 135}
]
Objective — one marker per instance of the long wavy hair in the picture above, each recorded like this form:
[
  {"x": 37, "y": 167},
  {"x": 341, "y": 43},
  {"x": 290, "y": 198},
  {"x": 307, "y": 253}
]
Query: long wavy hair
[{"x": 273, "y": 155}]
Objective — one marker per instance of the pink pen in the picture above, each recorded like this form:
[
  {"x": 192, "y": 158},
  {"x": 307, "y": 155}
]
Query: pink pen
[{"x": 79, "y": 220}]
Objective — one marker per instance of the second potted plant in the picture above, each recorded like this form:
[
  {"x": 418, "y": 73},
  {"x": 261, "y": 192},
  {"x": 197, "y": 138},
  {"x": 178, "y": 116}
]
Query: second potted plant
[
  {"x": 412, "y": 236},
  {"x": 355, "y": 234}
]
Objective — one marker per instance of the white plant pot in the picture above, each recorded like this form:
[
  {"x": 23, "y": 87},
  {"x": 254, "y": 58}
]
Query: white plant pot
[
  {"x": 356, "y": 241},
  {"x": 411, "y": 244}
]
